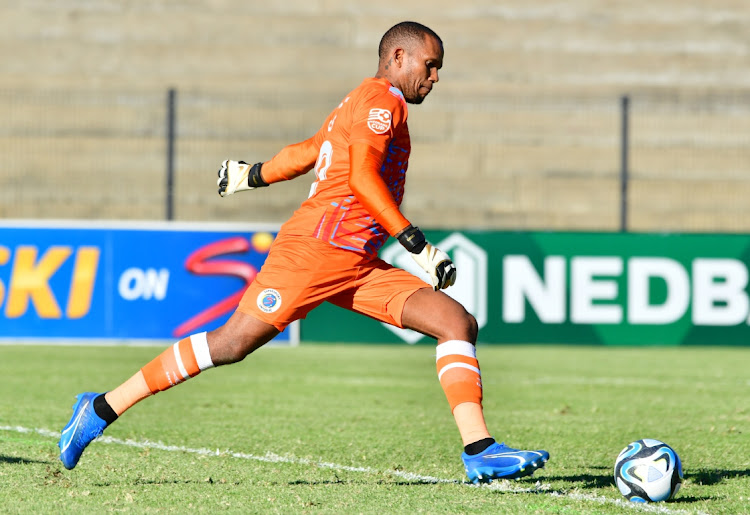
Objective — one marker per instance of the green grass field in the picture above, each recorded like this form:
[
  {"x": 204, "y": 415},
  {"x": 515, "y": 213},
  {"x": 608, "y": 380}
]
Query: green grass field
[{"x": 366, "y": 429}]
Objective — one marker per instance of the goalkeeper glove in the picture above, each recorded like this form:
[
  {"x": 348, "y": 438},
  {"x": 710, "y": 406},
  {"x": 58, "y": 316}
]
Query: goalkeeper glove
[
  {"x": 239, "y": 176},
  {"x": 434, "y": 261}
]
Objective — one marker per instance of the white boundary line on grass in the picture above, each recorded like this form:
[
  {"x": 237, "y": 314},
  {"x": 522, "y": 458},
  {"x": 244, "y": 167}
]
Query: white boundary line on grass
[{"x": 269, "y": 457}]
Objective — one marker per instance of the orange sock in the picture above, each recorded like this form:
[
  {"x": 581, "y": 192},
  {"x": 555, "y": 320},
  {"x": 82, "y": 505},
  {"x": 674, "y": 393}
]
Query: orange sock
[
  {"x": 458, "y": 372},
  {"x": 183, "y": 360}
]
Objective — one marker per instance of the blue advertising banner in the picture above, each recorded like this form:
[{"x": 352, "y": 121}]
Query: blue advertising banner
[{"x": 124, "y": 281}]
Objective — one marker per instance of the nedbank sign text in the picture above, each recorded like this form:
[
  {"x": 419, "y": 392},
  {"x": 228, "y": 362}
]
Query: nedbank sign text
[{"x": 634, "y": 290}]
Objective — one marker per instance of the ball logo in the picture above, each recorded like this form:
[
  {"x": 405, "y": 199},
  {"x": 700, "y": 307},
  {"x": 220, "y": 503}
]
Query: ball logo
[
  {"x": 379, "y": 120},
  {"x": 269, "y": 300}
]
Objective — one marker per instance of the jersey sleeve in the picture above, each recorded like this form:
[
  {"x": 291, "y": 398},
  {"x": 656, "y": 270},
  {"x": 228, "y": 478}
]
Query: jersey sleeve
[
  {"x": 292, "y": 161},
  {"x": 375, "y": 120},
  {"x": 370, "y": 189}
]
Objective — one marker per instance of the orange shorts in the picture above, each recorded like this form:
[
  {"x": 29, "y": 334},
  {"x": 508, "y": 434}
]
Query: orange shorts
[{"x": 300, "y": 273}]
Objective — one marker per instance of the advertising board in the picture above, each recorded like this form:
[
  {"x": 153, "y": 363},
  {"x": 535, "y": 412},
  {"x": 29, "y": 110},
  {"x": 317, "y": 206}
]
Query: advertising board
[
  {"x": 580, "y": 288},
  {"x": 125, "y": 281}
]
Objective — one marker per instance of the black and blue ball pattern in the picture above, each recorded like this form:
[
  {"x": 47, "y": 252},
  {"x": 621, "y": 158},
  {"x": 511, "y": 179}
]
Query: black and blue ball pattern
[{"x": 648, "y": 470}]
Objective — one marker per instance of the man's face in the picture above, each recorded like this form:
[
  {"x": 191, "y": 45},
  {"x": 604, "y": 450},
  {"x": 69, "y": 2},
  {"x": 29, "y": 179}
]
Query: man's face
[{"x": 420, "y": 70}]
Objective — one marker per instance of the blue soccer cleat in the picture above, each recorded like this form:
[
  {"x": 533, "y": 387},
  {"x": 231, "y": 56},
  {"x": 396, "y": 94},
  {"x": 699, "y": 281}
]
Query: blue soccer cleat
[
  {"x": 500, "y": 462},
  {"x": 83, "y": 427}
]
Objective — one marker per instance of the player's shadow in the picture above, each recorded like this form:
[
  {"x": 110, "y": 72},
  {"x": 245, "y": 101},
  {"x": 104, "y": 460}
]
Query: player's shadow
[
  {"x": 304, "y": 482},
  {"x": 585, "y": 481},
  {"x": 711, "y": 477},
  {"x": 210, "y": 481},
  {"x": 349, "y": 482},
  {"x": 22, "y": 461},
  {"x": 605, "y": 479},
  {"x": 162, "y": 481}
]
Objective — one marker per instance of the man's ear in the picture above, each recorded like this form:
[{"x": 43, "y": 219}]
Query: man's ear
[{"x": 398, "y": 57}]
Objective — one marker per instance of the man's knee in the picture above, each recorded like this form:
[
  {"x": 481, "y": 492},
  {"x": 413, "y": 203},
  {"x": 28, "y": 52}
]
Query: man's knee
[
  {"x": 239, "y": 336},
  {"x": 226, "y": 347},
  {"x": 470, "y": 327},
  {"x": 437, "y": 315},
  {"x": 461, "y": 326}
]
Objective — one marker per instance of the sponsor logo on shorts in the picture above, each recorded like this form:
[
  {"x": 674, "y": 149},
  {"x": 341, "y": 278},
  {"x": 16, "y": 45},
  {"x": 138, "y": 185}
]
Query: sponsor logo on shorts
[
  {"x": 269, "y": 300},
  {"x": 379, "y": 120}
]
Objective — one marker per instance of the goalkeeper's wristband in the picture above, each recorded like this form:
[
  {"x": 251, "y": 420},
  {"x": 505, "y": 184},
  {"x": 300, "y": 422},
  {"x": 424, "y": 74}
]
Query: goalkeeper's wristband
[
  {"x": 254, "y": 179},
  {"x": 412, "y": 239}
]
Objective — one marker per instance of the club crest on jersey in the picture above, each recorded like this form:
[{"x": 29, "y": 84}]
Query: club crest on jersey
[
  {"x": 269, "y": 300},
  {"x": 379, "y": 120}
]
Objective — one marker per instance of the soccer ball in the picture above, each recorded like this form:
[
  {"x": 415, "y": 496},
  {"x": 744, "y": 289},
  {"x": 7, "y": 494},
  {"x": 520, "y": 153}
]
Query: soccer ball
[{"x": 648, "y": 471}]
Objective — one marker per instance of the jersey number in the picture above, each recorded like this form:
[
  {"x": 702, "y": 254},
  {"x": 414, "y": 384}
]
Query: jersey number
[{"x": 321, "y": 166}]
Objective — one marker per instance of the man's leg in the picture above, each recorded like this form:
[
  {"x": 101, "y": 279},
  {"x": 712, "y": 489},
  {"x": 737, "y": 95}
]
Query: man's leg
[
  {"x": 438, "y": 315},
  {"x": 230, "y": 343}
]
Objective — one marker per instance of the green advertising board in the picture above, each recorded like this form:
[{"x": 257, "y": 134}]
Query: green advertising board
[{"x": 579, "y": 288}]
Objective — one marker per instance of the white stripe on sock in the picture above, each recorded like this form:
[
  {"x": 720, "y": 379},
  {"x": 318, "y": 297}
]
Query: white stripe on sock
[
  {"x": 456, "y": 347},
  {"x": 200, "y": 349},
  {"x": 457, "y": 365},
  {"x": 178, "y": 359}
]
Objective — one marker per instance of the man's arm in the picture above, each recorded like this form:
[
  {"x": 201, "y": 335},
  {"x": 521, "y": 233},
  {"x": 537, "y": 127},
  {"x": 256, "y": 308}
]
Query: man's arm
[
  {"x": 373, "y": 193},
  {"x": 371, "y": 190},
  {"x": 292, "y": 161}
]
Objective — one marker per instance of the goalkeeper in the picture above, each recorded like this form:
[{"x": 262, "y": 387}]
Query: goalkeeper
[{"x": 327, "y": 251}]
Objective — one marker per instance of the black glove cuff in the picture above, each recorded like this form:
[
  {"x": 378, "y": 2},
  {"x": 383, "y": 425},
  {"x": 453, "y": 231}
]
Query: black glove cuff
[
  {"x": 254, "y": 179},
  {"x": 412, "y": 239}
]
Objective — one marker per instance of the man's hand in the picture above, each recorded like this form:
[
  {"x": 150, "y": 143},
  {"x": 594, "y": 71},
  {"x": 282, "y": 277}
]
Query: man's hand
[
  {"x": 438, "y": 265},
  {"x": 237, "y": 176},
  {"x": 434, "y": 261}
]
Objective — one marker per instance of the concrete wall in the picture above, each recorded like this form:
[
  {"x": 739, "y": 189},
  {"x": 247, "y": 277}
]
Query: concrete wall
[{"x": 521, "y": 131}]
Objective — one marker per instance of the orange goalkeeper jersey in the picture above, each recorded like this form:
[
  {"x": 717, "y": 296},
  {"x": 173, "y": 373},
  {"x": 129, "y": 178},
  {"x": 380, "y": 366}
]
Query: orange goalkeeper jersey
[{"x": 373, "y": 114}]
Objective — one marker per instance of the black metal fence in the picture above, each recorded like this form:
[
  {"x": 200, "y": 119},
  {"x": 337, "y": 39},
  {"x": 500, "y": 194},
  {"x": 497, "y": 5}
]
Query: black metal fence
[{"x": 640, "y": 162}]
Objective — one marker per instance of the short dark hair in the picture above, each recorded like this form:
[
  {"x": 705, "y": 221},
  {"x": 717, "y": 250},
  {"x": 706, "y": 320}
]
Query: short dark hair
[{"x": 404, "y": 33}]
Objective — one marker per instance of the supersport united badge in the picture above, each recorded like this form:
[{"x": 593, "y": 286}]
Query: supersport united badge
[
  {"x": 379, "y": 120},
  {"x": 269, "y": 300}
]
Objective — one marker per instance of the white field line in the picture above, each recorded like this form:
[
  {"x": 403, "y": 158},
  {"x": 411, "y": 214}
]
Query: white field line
[{"x": 269, "y": 457}]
